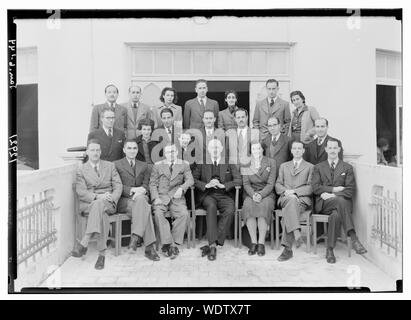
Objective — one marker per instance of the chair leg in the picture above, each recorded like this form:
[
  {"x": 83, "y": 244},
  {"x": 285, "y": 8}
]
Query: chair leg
[
  {"x": 349, "y": 244},
  {"x": 236, "y": 227},
  {"x": 315, "y": 235},
  {"x": 188, "y": 227},
  {"x": 308, "y": 235},
  {"x": 193, "y": 230},
  {"x": 118, "y": 236},
  {"x": 272, "y": 233},
  {"x": 277, "y": 232}
]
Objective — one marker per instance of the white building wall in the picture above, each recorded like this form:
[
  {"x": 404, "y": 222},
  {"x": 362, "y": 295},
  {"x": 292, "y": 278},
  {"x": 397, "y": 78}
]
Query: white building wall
[{"x": 332, "y": 65}]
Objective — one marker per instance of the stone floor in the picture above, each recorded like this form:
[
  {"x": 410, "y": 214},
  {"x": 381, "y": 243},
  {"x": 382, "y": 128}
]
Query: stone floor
[{"x": 233, "y": 268}]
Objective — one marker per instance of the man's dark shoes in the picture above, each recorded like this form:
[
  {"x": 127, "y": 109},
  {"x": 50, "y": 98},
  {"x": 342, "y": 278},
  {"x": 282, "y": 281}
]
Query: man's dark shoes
[
  {"x": 299, "y": 242},
  {"x": 151, "y": 253},
  {"x": 205, "y": 250},
  {"x": 358, "y": 247},
  {"x": 212, "y": 255},
  {"x": 287, "y": 254},
  {"x": 260, "y": 249},
  {"x": 165, "y": 249},
  {"x": 173, "y": 252},
  {"x": 100, "y": 262},
  {"x": 253, "y": 249},
  {"x": 135, "y": 242},
  {"x": 140, "y": 241},
  {"x": 330, "y": 256},
  {"x": 79, "y": 251}
]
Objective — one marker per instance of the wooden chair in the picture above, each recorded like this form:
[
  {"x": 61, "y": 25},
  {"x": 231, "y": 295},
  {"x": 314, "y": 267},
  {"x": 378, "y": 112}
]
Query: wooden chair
[
  {"x": 324, "y": 219},
  {"x": 202, "y": 212},
  {"x": 304, "y": 222}
]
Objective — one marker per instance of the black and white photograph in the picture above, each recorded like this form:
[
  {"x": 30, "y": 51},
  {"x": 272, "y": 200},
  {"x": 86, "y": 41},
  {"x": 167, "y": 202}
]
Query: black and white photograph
[{"x": 199, "y": 151}]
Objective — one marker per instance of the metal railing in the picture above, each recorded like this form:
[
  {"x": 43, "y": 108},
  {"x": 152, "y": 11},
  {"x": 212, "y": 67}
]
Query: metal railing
[
  {"x": 387, "y": 221},
  {"x": 36, "y": 229}
]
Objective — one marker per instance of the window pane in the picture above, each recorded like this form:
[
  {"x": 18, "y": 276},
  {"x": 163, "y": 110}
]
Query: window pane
[
  {"x": 220, "y": 62},
  {"x": 380, "y": 66},
  {"x": 258, "y": 63},
  {"x": 143, "y": 61},
  {"x": 393, "y": 67},
  {"x": 239, "y": 62},
  {"x": 277, "y": 62},
  {"x": 201, "y": 62},
  {"x": 182, "y": 62},
  {"x": 163, "y": 62}
]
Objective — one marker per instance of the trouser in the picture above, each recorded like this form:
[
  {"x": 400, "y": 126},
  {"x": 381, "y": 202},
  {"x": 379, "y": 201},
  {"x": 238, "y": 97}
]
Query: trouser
[{"x": 141, "y": 220}]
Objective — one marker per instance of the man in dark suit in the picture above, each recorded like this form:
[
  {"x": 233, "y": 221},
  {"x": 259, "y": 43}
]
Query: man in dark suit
[
  {"x": 136, "y": 111},
  {"x": 315, "y": 150},
  {"x": 135, "y": 176},
  {"x": 333, "y": 184},
  {"x": 144, "y": 142},
  {"x": 194, "y": 108},
  {"x": 99, "y": 187},
  {"x": 111, "y": 138},
  {"x": 276, "y": 145},
  {"x": 120, "y": 112},
  {"x": 269, "y": 107},
  {"x": 216, "y": 182}
]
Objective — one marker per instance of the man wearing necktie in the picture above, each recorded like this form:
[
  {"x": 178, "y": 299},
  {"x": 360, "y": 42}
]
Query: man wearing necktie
[
  {"x": 315, "y": 150},
  {"x": 194, "y": 109},
  {"x": 111, "y": 139},
  {"x": 294, "y": 188},
  {"x": 333, "y": 184},
  {"x": 120, "y": 112},
  {"x": 135, "y": 176},
  {"x": 269, "y": 107},
  {"x": 136, "y": 111},
  {"x": 99, "y": 187}
]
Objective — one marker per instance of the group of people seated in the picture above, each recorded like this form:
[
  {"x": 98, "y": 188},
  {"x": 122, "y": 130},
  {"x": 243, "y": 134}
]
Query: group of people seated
[{"x": 142, "y": 161}]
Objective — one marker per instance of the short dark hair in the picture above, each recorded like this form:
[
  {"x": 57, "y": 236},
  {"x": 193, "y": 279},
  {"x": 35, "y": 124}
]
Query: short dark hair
[
  {"x": 145, "y": 122},
  {"x": 332, "y": 140},
  {"x": 108, "y": 86},
  {"x": 107, "y": 108},
  {"x": 129, "y": 140},
  {"x": 163, "y": 92},
  {"x": 241, "y": 109},
  {"x": 297, "y": 141},
  {"x": 297, "y": 93},
  {"x": 382, "y": 142},
  {"x": 166, "y": 110},
  {"x": 322, "y": 118},
  {"x": 134, "y": 86},
  {"x": 93, "y": 141},
  {"x": 200, "y": 81},
  {"x": 209, "y": 111},
  {"x": 272, "y": 81}
]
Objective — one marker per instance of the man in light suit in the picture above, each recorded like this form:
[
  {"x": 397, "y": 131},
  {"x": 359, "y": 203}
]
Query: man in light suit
[
  {"x": 276, "y": 145},
  {"x": 333, "y": 184},
  {"x": 269, "y": 107},
  {"x": 111, "y": 139},
  {"x": 98, "y": 187},
  {"x": 294, "y": 187},
  {"x": 136, "y": 111},
  {"x": 315, "y": 150},
  {"x": 194, "y": 108},
  {"x": 169, "y": 181},
  {"x": 135, "y": 176},
  {"x": 120, "y": 112}
]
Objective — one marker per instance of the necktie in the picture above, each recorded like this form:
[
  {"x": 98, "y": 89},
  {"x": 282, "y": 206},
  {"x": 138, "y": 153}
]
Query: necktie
[
  {"x": 320, "y": 141},
  {"x": 271, "y": 102},
  {"x": 202, "y": 102},
  {"x": 215, "y": 163},
  {"x": 132, "y": 164},
  {"x": 295, "y": 167},
  {"x": 110, "y": 132},
  {"x": 96, "y": 170},
  {"x": 332, "y": 170},
  {"x": 171, "y": 167},
  {"x": 134, "y": 105},
  {"x": 135, "y": 111}
]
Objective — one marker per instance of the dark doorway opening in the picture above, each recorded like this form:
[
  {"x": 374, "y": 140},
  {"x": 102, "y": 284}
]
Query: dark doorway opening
[
  {"x": 27, "y": 127},
  {"x": 386, "y": 118},
  {"x": 216, "y": 90}
]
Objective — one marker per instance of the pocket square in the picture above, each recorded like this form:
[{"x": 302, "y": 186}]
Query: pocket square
[
  {"x": 268, "y": 169},
  {"x": 343, "y": 174},
  {"x": 120, "y": 141}
]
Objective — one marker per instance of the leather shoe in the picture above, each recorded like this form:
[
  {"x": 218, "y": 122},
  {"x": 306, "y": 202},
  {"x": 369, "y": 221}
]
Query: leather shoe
[
  {"x": 287, "y": 254},
  {"x": 212, "y": 255},
  {"x": 140, "y": 241},
  {"x": 165, "y": 249},
  {"x": 100, "y": 262},
  {"x": 253, "y": 249},
  {"x": 330, "y": 256},
  {"x": 358, "y": 247},
  {"x": 151, "y": 254},
  {"x": 173, "y": 252},
  {"x": 299, "y": 242},
  {"x": 205, "y": 251},
  {"x": 260, "y": 249},
  {"x": 79, "y": 251}
]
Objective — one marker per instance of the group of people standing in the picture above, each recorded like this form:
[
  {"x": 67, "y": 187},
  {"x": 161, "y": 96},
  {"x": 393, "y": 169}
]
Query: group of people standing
[{"x": 144, "y": 159}]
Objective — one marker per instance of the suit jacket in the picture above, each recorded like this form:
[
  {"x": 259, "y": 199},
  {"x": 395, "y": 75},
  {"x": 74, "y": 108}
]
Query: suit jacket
[
  {"x": 193, "y": 112},
  {"x": 177, "y": 115},
  {"x": 228, "y": 176},
  {"x": 139, "y": 176},
  {"x": 140, "y": 155},
  {"x": 164, "y": 184},
  {"x": 280, "y": 151},
  {"x": 307, "y": 124},
  {"x": 240, "y": 154},
  {"x": 143, "y": 111},
  {"x": 111, "y": 147},
  {"x": 299, "y": 181},
  {"x": 120, "y": 113},
  {"x": 311, "y": 154},
  {"x": 200, "y": 142},
  {"x": 89, "y": 184},
  {"x": 262, "y": 181},
  {"x": 322, "y": 181},
  {"x": 226, "y": 120},
  {"x": 262, "y": 113}
]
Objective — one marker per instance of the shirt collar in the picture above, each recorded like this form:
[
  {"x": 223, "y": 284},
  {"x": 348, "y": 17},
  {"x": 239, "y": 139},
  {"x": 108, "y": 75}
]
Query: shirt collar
[
  {"x": 129, "y": 160},
  {"x": 335, "y": 162},
  {"x": 133, "y": 103},
  {"x": 211, "y": 130},
  {"x": 97, "y": 165},
  {"x": 298, "y": 162},
  {"x": 109, "y": 104},
  {"x": 321, "y": 139},
  {"x": 276, "y": 137},
  {"x": 218, "y": 160},
  {"x": 204, "y": 100},
  {"x": 269, "y": 99},
  {"x": 242, "y": 131},
  {"x": 106, "y": 130}
]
